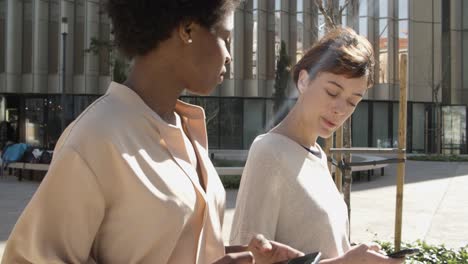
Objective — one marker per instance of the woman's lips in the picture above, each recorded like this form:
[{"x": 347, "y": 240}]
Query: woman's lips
[{"x": 328, "y": 123}]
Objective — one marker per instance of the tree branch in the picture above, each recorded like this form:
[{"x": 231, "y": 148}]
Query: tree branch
[
  {"x": 327, "y": 15},
  {"x": 344, "y": 7}
]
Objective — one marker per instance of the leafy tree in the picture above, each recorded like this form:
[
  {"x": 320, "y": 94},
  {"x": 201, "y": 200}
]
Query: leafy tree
[{"x": 119, "y": 64}]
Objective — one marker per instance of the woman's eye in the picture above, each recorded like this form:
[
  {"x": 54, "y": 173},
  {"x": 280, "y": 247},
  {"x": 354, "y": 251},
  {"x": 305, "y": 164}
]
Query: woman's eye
[{"x": 331, "y": 94}]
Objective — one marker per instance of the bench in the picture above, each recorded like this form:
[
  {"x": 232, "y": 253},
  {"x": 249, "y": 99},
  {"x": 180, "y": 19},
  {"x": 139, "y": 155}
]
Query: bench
[
  {"x": 366, "y": 167},
  {"x": 229, "y": 171},
  {"x": 21, "y": 166}
]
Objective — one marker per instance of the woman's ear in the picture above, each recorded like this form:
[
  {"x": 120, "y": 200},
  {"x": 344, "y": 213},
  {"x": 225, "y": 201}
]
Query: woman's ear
[
  {"x": 185, "y": 32},
  {"x": 302, "y": 81}
]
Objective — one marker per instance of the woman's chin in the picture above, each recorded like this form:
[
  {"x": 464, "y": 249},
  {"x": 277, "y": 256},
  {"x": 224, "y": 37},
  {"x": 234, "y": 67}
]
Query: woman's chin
[{"x": 326, "y": 134}]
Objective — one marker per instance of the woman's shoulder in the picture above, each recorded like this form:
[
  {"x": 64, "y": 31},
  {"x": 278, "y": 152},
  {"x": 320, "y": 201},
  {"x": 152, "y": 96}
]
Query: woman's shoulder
[
  {"x": 276, "y": 150},
  {"x": 105, "y": 121},
  {"x": 275, "y": 143},
  {"x": 271, "y": 140}
]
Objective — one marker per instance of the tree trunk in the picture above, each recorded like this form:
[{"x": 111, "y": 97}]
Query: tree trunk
[{"x": 348, "y": 179}]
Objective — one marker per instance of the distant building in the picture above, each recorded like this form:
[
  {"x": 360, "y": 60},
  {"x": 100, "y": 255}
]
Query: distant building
[
  {"x": 420, "y": 42},
  {"x": 31, "y": 64}
]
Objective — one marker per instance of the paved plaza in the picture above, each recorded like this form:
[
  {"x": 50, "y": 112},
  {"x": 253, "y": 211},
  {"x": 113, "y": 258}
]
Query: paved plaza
[{"x": 435, "y": 204}]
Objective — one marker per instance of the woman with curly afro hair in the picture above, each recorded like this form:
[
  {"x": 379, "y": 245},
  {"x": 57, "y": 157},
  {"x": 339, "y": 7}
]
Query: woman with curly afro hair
[{"x": 131, "y": 180}]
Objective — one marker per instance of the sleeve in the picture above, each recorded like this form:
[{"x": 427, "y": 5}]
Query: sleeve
[
  {"x": 259, "y": 198},
  {"x": 60, "y": 222}
]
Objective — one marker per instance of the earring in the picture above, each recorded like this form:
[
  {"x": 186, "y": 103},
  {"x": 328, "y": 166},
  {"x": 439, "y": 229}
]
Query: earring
[{"x": 189, "y": 40}]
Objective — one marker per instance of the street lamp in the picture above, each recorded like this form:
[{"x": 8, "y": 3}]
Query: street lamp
[{"x": 64, "y": 52}]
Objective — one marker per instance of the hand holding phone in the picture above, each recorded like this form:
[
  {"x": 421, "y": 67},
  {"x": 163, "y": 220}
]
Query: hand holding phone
[
  {"x": 404, "y": 253},
  {"x": 312, "y": 258}
]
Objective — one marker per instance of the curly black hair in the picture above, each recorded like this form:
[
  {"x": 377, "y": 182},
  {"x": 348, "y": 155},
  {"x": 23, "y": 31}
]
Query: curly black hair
[{"x": 140, "y": 25}]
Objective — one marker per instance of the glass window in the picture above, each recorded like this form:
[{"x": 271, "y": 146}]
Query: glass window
[
  {"x": 230, "y": 123},
  {"x": 345, "y": 12},
  {"x": 383, "y": 51},
  {"x": 383, "y": 8},
  {"x": 396, "y": 116},
  {"x": 402, "y": 46},
  {"x": 454, "y": 128},
  {"x": 380, "y": 137},
  {"x": 211, "y": 106},
  {"x": 269, "y": 114},
  {"x": 54, "y": 35},
  {"x": 27, "y": 36},
  {"x": 403, "y": 35},
  {"x": 363, "y": 26},
  {"x": 321, "y": 25},
  {"x": 363, "y": 8},
  {"x": 277, "y": 31},
  {"x": 300, "y": 36},
  {"x": 418, "y": 124},
  {"x": 54, "y": 124},
  {"x": 34, "y": 121},
  {"x": 403, "y": 9},
  {"x": 253, "y": 120},
  {"x": 360, "y": 124},
  {"x": 300, "y": 5},
  {"x": 81, "y": 102}
]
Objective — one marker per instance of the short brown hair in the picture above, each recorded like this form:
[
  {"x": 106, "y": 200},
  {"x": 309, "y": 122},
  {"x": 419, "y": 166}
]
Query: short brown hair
[{"x": 341, "y": 51}]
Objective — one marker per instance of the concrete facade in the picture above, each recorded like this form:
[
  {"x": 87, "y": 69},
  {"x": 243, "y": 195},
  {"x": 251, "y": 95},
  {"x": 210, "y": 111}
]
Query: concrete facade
[{"x": 33, "y": 46}]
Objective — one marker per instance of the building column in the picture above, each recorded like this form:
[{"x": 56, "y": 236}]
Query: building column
[
  {"x": 248, "y": 84},
  {"x": 40, "y": 46},
  {"x": 3, "y": 21},
  {"x": 292, "y": 46},
  {"x": 456, "y": 52},
  {"x": 91, "y": 59},
  {"x": 262, "y": 28},
  {"x": 284, "y": 21},
  {"x": 13, "y": 46},
  {"x": 271, "y": 50},
  {"x": 237, "y": 52}
]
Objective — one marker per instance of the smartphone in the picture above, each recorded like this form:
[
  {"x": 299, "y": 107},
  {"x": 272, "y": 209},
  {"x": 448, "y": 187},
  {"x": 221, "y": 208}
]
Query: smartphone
[
  {"x": 404, "y": 253},
  {"x": 312, "y": 258}
]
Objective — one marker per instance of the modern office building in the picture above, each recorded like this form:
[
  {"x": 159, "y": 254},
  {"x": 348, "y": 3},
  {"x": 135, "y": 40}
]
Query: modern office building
[
  {"x": 31, "y": 65},
  {"x": 418, "y": 43}
]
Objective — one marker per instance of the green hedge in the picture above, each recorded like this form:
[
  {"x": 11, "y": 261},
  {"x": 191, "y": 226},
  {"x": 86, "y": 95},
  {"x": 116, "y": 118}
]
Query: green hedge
[
  {"x": 431, "y": 254},
  {"x": 230, "y": 181}
]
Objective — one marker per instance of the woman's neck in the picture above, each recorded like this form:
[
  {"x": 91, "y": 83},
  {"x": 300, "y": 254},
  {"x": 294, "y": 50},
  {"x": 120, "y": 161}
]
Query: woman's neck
[
  {"x": 157, "y": 86},
  {"x": 295, "y": 127}
]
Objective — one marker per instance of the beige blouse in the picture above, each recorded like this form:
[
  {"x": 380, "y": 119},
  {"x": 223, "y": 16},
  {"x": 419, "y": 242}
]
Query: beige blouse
[
  {"x": 121, "y": 189},
  {"x": 287, "y": 194}
]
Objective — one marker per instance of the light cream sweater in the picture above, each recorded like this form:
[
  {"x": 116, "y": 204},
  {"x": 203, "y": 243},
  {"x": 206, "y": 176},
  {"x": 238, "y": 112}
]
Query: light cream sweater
[
  {"x": 288, "y": 195},
  {"x": 121, "y": 189}
]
